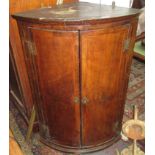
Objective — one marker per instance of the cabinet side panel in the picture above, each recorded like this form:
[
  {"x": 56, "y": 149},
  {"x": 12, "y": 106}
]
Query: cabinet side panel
[
  {"x": 56, "y": 60},
  {"x": 105, "y": 60}
]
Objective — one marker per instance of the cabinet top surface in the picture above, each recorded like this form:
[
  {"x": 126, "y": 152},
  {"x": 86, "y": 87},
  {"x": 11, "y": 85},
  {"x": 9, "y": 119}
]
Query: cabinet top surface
[{"x": 79, "y": 11}]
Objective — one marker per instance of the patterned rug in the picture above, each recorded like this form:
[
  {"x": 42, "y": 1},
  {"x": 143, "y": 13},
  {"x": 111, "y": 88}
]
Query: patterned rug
[
  {"x": 135, "y": 96},
  {"x": 136, "y": 91}
]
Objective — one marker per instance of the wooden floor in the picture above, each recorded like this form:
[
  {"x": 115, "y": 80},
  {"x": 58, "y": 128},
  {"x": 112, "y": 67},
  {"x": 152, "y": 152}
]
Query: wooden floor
[{"x": 14, "y": 148}]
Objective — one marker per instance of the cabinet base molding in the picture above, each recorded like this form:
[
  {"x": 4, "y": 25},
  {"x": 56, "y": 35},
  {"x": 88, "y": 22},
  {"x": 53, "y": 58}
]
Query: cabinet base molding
[{"x": 86, "y": 149}]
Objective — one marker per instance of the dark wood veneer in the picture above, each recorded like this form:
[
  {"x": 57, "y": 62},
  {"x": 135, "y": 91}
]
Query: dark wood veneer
[
  {"x": 23, "y": 99},
  {"x": 78, "y": 66}
]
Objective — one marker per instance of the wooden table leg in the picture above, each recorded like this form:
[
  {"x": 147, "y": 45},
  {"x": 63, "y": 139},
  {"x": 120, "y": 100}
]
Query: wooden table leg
[{"x": 31, "y": 123}]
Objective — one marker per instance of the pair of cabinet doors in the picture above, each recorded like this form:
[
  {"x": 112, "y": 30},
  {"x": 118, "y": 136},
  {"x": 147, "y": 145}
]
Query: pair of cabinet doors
[{"x": 79, "y": 81}]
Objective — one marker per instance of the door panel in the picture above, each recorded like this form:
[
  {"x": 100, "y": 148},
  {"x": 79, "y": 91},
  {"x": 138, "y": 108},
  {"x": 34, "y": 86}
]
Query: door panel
[
  {"x": 103, "y": 79},
  {"x": 16, "y": 6},
  {"x": 56, "y": 60}
]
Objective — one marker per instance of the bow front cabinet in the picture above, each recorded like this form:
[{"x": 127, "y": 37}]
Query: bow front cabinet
[{"x": 78, "y": 59}]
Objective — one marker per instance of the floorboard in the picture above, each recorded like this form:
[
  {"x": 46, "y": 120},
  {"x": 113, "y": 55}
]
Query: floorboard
[{"x": 14, "y": 148}]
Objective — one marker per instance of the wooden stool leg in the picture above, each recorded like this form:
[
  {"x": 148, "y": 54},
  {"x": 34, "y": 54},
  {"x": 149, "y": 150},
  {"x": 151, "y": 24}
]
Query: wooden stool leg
[{"x": 31, "y": 122}]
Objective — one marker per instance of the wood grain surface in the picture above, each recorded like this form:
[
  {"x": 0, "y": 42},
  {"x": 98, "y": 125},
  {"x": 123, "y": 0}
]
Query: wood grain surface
[
  {"x": 17, "y": 6},
  {"x": 79, "y": 73}
]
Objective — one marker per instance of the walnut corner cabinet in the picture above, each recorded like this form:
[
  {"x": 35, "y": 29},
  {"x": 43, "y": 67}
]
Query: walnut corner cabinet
[{"x": 78, "y": 58}]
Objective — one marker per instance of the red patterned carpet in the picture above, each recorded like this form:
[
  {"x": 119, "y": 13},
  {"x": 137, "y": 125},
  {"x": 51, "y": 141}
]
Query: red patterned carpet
[{"x": 135, "y": 96}]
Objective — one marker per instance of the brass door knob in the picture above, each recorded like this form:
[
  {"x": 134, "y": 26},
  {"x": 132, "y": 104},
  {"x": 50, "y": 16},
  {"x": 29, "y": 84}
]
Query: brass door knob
[
  {"x": 76, "y": 100},
  {"x": 85, "y": 100}
]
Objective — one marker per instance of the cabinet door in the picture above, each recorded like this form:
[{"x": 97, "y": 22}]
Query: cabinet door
[
  {"x": 105, "y": 60},
  {"x": 56, "y": 61}
]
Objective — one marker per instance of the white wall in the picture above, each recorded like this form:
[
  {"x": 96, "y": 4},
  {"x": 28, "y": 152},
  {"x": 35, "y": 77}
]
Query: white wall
[{"x": 122, "y": 3}]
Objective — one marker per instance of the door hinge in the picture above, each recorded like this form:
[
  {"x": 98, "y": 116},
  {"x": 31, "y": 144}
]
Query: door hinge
[
  {"x": 30, "y": 47},
  {"x": 44, "y": 130},
  {"x": 126, "y": 44}
]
